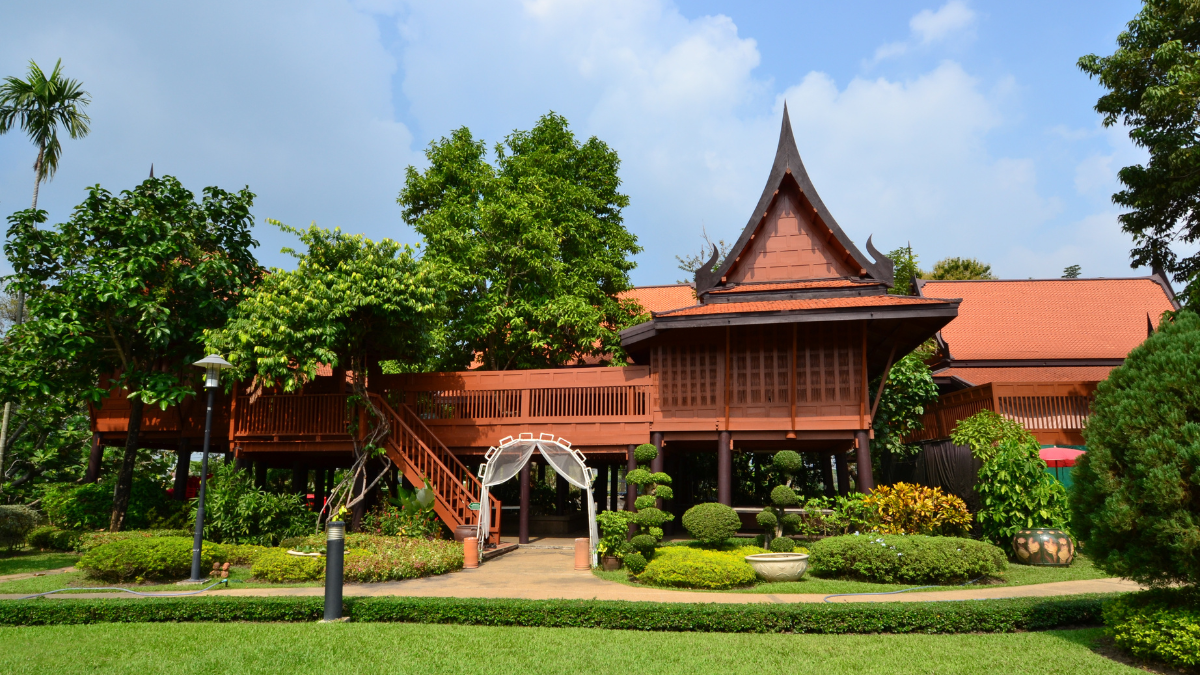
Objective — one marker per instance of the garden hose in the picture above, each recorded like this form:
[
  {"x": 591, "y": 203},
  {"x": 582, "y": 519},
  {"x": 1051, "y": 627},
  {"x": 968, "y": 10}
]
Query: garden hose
[
  {"x": 126, "y": 590},
  {"x": 904, "y": 590}
]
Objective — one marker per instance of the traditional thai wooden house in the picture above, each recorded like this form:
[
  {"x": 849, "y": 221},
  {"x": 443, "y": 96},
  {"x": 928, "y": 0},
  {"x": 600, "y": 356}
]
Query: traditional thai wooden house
[
  {"x": 772, "y": 350},
  {"x": 1034, "y": 350}
]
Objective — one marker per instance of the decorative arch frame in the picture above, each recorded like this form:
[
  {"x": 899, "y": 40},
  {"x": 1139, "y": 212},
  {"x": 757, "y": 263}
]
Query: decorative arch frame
[{"x": 504, "y": 461}]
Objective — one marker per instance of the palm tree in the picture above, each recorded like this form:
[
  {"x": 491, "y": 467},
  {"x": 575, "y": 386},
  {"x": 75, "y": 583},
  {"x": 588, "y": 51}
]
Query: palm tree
[{"x": 40, "y": 105}]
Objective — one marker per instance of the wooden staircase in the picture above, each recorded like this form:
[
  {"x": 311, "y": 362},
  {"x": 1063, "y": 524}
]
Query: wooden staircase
[{"x": 419, "y": 453}]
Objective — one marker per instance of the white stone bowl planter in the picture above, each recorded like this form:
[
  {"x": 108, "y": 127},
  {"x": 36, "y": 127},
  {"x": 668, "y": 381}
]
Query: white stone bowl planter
[{"x": 779, "y": 566}]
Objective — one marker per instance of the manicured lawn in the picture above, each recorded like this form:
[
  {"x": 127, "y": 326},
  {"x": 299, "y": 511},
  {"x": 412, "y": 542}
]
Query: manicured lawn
[
  {"x": 1017, "y": 575},
  {"x": 415, "y": 648},
  {"x": 34, "y": 561},
  {"x": 239, "y": 577}
]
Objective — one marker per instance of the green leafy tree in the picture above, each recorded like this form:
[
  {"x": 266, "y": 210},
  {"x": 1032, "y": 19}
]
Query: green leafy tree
[
  {"x": 983, "y": 432},
  {"x": 532, "y": 251},
  {"x": 1016, "y": 493},
  {"x": 960, "y": 269},
  {"x": 1153, "y": 84},
  {"x": 49, "y": 443},
  {"x": 907, "y": 268},
  {"x": 351, "y": 302},
  {"x": 1135, "y": 501},
  {"x": 39, "y": 105},
  {"x": 1071, "y": 272},
  {"x": 908, "y": 390},
  {"x": 120, "y": 294}
]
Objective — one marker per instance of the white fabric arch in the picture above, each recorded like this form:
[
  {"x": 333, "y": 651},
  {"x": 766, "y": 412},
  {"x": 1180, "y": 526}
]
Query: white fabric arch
[{"x": 507, "y": 459}]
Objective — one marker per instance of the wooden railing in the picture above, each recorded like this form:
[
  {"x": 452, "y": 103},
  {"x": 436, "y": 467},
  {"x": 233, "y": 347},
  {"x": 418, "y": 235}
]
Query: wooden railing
[
  {"x": 629, "y": 401},
  {"x": 293, "y": 415},
  {"x": 423, "y": 458},
  {"x": 1055, "y": 412}
]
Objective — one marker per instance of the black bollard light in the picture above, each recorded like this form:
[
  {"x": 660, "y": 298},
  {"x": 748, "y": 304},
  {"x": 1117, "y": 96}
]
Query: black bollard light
[
  {"x": 335, "y": 548},
  {"x": 212, "y": 365}
]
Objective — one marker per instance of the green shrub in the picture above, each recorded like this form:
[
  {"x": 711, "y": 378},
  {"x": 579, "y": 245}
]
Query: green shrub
[
  {"x": 1016, "y": 493},
  {"x": 908, "y": 559},
  {"x": 243, "y": 555},
  {"x": 905, "y": 508},
  {"x": 88, "y": 506},
  {"x": 277, "y": 566},
  {"x": 767, "y": 520},
  {"x": 644, "y": 544},
  {"x": 160, "y": 558},
  {"x": 645, "y": 502},
  {"x": 635, "y": 562},
  {"x": 51, "y": 538},
  {"x": 1136, "y": 493},
  {"x": 645, "y": 453},
  {"x": 983, "y": 432},
  {"x": 1158, "y": 625},
  {"x": 395, "y": 559},
  {"x": 782, "y": 545},
  {"x": 614, "y": 528},
  {"x": 684, "y": 567},
  {"x": 987, "y": 616},
  {"x": 787, "y": 462},
  {"x": 16, "y": 522},
  {"x": 90, "y": 540},
  {"x": 651, "y": 517},
  {"x": 711, "y": 523},
  {"x": 237, "y": 512},
  {"x": 783, "y": 496}
]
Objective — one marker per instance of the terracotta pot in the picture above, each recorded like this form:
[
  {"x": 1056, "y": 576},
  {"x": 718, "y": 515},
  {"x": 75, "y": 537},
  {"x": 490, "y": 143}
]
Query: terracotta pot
[
  {"x": 463, "y": 531},
  {"x": 1043, "y": 547},
  {"x": 779, "y": 566},
  {"x": 611, "y": 563}
]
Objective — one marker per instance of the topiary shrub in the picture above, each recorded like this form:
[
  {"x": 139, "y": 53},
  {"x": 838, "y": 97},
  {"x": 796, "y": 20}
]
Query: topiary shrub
[
  {"x": 782, "y": 545},
  {"x": 1158, "y": 625},
  {"x": 711, "y": 523},
  {"x": 51, "y": 538},
  {"x": 685, "y": 567},
  {"x": 644, "y": 544},
  {"x": 1135, "y": 501},
  {"x": 905, "y": 508},
  {"x": 787, "y": 462},
  {"x": 160, "y": 558},
  {"x": 645, "y": 453},
  {"x": 911, "y": 559},
  {"x": 635, "y": 562},
  {"x": 16, "y": 522},
  {"x": 277, "y": 566},
  {"x": 767, "y": 520}
]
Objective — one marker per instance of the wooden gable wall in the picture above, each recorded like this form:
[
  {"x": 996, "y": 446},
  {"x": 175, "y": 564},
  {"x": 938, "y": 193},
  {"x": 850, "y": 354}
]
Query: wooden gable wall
[{"x": 789, "y": 246}]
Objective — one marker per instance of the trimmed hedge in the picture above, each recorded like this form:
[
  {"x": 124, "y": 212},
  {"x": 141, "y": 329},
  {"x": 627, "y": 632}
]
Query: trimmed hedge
[
  {"x": 685, "y": 567},
  {"x": 161, "y": 558},
  {"x": 90, "y": 540},
  {"x": 51, "y": 538},
  {"x": 988, "y": 616},
  {"x": 711, "y": 523},
  {"x": 277, "y": 566},
  {"x": 905, "y": 559},
  {"x": 1161, "y": 624}
]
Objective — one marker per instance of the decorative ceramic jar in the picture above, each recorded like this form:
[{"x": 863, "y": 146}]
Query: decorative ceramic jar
[
  {"x": 465, "y": 530},
  {"x": 779, "y": 566},
  {"x": 1044, "y": 547},
  {"x": 611, "y": 563}
]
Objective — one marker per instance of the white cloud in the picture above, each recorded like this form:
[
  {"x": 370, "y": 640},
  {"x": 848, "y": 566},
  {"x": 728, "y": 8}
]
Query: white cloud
[{"x": 952, "y": 17}]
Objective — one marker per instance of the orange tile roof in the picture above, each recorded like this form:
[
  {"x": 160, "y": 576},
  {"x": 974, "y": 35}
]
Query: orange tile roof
[
  {"x": 1049, "y": 318},
  {"x": 977, "y": 376},
  {"x": 794, "y": 286},
  {"x": 794, "y": 305},
  {"x": 662, "y": 298}
]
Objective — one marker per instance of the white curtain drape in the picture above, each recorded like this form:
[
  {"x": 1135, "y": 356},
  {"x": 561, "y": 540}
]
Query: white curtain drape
[{"x": 506, "y": 461}]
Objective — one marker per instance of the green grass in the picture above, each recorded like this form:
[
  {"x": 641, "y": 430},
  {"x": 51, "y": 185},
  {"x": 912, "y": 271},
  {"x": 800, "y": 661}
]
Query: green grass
[
  {"x": 413, "y": 648},
  {"x": 239, "y": 577},
  {"x": 1016, "y": 575},
  {"x": 34, "y": 561}
]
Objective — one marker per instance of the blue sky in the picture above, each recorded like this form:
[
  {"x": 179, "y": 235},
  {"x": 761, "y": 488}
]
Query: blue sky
[{"x": 962, "y": 127}]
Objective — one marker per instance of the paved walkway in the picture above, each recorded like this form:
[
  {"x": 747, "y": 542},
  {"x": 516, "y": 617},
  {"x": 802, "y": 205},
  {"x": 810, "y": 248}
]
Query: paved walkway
[{"x": 548, "y": 573}]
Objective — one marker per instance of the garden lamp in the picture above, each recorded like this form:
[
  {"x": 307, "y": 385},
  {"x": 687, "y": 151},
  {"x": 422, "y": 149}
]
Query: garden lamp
[{"x": 212, "y": 364}]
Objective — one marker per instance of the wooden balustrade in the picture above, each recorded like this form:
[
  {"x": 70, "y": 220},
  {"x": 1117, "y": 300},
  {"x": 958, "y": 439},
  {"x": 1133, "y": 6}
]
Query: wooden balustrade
[
  {"x": 1054, "y": 412},
  {"x": 293, "y": 415}
]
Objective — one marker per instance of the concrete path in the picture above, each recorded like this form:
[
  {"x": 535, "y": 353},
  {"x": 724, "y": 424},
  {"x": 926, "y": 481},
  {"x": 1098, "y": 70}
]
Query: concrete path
[{"x": 548, "y": 573}]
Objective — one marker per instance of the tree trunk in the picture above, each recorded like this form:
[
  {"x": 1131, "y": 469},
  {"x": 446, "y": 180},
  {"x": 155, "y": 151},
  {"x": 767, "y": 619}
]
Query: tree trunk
[
  {"x": 95, "y": 460},
  {"x": 125, "y": 478}
]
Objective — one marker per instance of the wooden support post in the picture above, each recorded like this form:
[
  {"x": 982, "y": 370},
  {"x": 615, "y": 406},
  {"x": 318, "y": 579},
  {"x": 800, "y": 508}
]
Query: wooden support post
[
  {"x": 260, "y": 474},
  {"x": 827, "y": 473},
  {"x": 600, "y": 489},
  {"x": 614, "y": 484},
  {"x": 866, "y": 479},
  {"x": 843, "y": 473},
  {"x": 95, "y": 460},
  {"x": 560, "y": 495},
  {"x": 183, "y": 464},
  {"x": 656, "y": 439},
  {"x": 300, "y": 480},
  {"x": 724, "y": 469},
  {"x": 523, "y": 520}
]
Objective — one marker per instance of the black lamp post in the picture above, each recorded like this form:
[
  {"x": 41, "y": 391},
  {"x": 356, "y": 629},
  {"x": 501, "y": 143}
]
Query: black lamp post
[{"x": 212, "y": 365}]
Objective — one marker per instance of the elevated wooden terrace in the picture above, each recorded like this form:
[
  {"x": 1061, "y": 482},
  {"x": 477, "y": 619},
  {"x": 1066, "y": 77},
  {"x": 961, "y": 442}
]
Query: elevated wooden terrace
[{"x": 1054, "y": 412}]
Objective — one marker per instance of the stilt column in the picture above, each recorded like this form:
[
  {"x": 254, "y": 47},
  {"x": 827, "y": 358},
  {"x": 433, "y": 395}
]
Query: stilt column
[
  {"x": 866, "y": 479},
  {"x": 843, "y": 473},
  {"x": 523, "y": 528},
  {"x": 724, "y": 469},
  {"x": 827, "y": 473},
  {"x": 614, "y": 484}
]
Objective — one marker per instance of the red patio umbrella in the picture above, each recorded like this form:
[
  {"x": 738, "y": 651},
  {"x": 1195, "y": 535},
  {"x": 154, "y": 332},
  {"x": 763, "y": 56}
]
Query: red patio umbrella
[{"x": 1058, "y": 457}]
